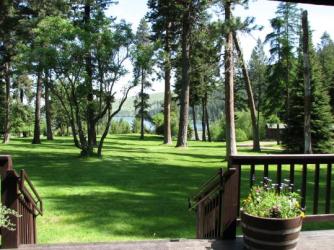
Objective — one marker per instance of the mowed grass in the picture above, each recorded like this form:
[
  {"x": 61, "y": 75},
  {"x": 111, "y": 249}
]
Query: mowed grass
[{"x": 139, "y": 190}]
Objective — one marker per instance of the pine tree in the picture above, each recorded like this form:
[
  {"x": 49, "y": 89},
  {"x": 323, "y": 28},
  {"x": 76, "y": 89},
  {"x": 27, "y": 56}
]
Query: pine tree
[
  {"x": 143, "y": 66},
  {"x": 321, "y": 117},
  {"x": 326, "y": 57},
  {"x": 283, "y": 42},
  {"x": 164, "y": 15},
  {"x": 257, "y": 73}
]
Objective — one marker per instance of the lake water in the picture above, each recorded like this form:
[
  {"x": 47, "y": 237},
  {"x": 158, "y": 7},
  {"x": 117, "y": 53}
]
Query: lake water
[
  {"x": 130, "y": 120},
  {"x": 150, "y": 125}
]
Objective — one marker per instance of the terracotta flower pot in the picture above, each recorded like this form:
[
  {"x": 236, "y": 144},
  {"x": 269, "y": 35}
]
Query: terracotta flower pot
[{"x": 270, "y": 233}]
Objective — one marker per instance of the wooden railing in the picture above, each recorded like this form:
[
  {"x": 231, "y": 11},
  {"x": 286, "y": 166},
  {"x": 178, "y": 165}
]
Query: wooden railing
[
  {"x": 211, "y": 201},
  {"x": 223, "y": 207},
  {"x": 19, "y": 194}
]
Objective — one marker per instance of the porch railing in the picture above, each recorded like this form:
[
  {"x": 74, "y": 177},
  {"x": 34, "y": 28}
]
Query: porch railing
[
  {"x": 19, "y": 194},
  {"x": 217, "y": 203}
]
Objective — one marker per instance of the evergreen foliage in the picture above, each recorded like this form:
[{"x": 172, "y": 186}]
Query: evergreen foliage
[
  {"x": 326, "y": 58},
  {"x": 143, "y": 67},
  {"x": 321, "y": 117}
]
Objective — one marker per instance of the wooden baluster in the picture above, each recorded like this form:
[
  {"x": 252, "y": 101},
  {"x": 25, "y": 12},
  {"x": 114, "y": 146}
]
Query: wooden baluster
[
  {"x": 279, "y": 175},
  {"x": 210, "y": 219},
  {"x": 221, "y": 193},
  {"x": 316, "y": 189},
  {"x": 304, "y": 183},
  {"x": 252, "y": 175},
  {"x": 265, "y": 171},
  {"x": 292, "y": 176},
  {"x": 328, "y": 188},
  {"x": 238, "y": 187}
]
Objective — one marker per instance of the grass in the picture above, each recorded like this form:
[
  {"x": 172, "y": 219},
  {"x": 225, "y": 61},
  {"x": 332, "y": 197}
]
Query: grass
[{"x": 138, "y": 190}]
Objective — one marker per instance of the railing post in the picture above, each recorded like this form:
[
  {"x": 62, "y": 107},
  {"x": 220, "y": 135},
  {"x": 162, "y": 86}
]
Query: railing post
[
  {"x": 199, "y": 221},
  {"x": 9, "y": 197},
  {"x": 6, "y": 164},
  {"x": 230, "y": 203}
]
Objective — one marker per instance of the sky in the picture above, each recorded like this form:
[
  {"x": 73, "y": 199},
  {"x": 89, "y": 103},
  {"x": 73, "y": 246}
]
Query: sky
[{"x": 321, "y": 19}]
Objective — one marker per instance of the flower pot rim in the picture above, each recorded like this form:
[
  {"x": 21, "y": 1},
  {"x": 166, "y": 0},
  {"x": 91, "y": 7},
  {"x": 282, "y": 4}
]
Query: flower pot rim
[{"x": 272, "y": 219}]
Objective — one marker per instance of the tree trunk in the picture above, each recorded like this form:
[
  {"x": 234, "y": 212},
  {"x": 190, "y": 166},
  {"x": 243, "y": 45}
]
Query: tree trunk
[
  {"x": 6, "y": 127},
  {"x": 37, "y": 128},
  {"x": 110, "y": 116},
  {"x": 307, "y": 87},
  {"x": 21, "y": 95},
  {"x": 203, "y": 122},
  {"x": 231, "y": 147},
  {"x": 89, "y": 77},
  {"x": 48, "y": 117},
  {"x": 194, "y": 121},
  {"x": 207, "y": 117},
  {"x": 167, "y": 98},
  {"x": 251, "y": 102},
  {"x": 142, "y": 106},
  {"x": 184, "y": 98},
  {"x": 73, "y": 128}
]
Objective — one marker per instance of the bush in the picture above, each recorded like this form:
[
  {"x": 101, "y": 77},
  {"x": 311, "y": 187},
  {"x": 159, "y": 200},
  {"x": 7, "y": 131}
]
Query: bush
[
  {"x": 120, "y": 127},
  {"x": 190, "y": 132},
  {"x": 243, "y": 122},
  {"x": 158, "y": 121},
  {"x": 240, "y": 135},
  {"x": 136, "y": 126},
  {"x": 217, "y": 130}
]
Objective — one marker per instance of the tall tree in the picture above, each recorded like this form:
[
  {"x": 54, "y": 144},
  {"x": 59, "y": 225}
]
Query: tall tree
[
  {"x": 257, "y": 73},
  {"x": 37, "y": 129},
  {"x": 187, "y": 19},
  {"x": 231, "y": 146},
  {"x": 249, "y": 89},
  {"x": 111, "y": 49},
  {"x": 283, "y": 42},
  {"x": 163, "y": 15},
  {"x": 321, "y": 117},
  {"x": 307, "y": 86},
  {"x": 48, "y": 119},
  {"x": 13, "y": 28},
  {"x": 143, "y": 66}
]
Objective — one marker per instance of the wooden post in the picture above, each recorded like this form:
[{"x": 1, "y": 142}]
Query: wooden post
[
  {"x": 6, "y": 164},
  {"x": 230, "y": 203},
  {"x": 9, "y": 197}
]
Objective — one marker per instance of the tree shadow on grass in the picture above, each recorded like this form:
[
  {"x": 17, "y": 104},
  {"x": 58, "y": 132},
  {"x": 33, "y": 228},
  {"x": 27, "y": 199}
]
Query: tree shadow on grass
[{"x": 121, "y": 195}]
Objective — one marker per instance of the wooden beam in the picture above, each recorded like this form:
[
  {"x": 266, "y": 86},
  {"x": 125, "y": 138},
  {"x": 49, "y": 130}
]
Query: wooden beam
[{"x": 318, "y": 2}]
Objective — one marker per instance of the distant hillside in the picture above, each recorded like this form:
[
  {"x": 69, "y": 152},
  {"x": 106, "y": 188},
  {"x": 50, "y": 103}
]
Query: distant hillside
[{"x": 156, "y": 101}]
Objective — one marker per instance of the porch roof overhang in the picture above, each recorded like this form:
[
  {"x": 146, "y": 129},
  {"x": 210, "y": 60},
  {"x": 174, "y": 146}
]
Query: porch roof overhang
[{"x": 318, "y": 2}]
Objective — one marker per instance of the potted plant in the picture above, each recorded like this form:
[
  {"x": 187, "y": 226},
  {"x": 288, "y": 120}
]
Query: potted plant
[{"x": 271, "y": 217}]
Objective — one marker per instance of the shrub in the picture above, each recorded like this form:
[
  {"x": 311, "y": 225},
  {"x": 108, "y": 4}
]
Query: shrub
[
  {"x": 240, "y": 135},
  {"x": 136, "y": 125},
  {"x": 120, "y": 127},
  {"x": 243, "y": 122},
  {"x": 190, "y": 132},
  {"x": 217, "y": 130},
  {"x": 158, "y": 121}
]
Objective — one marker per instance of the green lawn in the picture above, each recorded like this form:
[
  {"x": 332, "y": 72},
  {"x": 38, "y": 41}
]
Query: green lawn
[{"x": 138, "y": 190}]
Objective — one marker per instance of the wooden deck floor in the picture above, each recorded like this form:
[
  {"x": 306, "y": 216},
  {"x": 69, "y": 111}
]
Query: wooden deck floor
[{"x": 311, "y": 240}]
